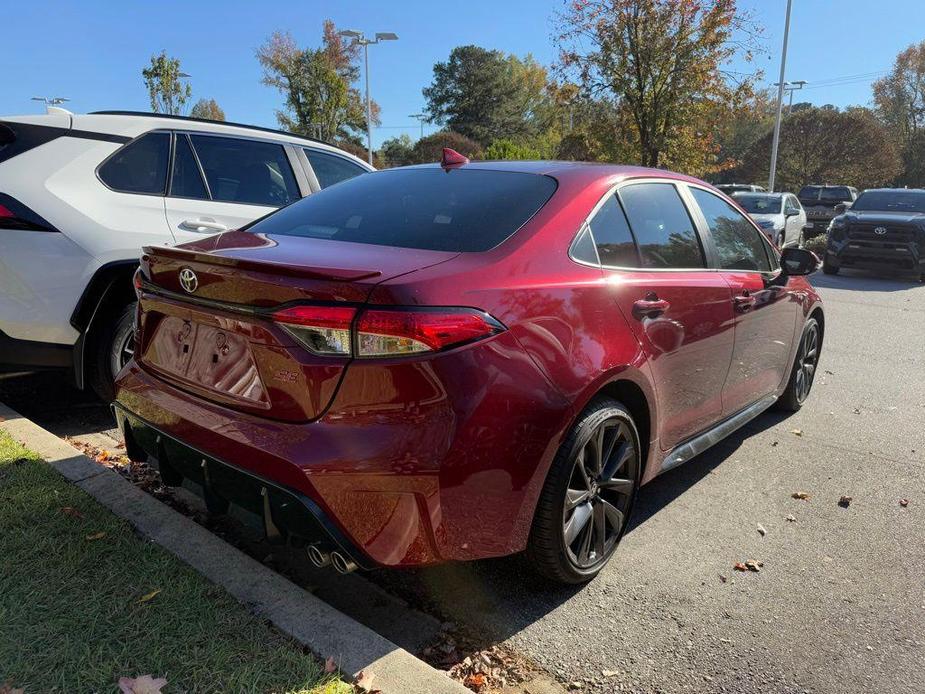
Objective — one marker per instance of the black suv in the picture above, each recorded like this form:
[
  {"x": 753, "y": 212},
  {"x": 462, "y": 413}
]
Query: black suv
[
  {"x": 884, "y": 229},
  {"x": 820, "y": 203}
]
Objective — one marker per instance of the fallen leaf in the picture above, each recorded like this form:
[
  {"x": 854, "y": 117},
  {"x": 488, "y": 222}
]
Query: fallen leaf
[
  {"x": 72, "y": 512},
  {"x": 141, "y": 685},
  {"x": 904, "y": 502},
  {"x": 845, "y": 501},
  {"x": 148, "y": 597},
  {"x": 773, "y": 443},
  {"x": 761, "y": 530},
  {"x": 476, "y": 681},
  {"x": 791, "y": 519},
  {"x": 830, "y": 373},
  {"x": 364, "y": 682},
  {"x": 722, "y": 578},
  {"x": 329, "y": 665},
  {"x": 102, "y": 456},
  {"x": 96, "y": 536},
  {"x": 739, "y": 566},
  {"x": 796, "y": 432},
  {"x": 801, "y": 495},
  {"x": 754, "y": 565}
]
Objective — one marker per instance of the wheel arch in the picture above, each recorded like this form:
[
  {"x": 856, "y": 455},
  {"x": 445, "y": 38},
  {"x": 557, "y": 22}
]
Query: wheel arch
[{"x": 108, "y": 290}]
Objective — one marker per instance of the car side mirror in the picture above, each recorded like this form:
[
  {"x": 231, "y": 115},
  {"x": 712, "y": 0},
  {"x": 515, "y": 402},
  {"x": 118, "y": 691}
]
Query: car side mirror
[
  {"x": 798, "y": 261},
  {"x": 842, "y": 207},
  {"x": 791, "y": 212}
]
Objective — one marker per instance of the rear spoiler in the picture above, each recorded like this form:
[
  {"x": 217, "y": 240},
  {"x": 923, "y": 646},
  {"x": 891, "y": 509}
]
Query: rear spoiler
[{"x": 213, "y": 258}]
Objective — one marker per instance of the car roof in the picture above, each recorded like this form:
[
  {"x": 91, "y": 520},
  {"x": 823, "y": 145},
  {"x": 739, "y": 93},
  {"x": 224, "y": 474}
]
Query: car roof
[
  {"x": 571, "y": 170},
  {"x": 135, "y": 123},
  {"x": 894, "y": 190}
]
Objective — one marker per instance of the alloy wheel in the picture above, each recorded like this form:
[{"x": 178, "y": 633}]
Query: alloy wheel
[
  {"x": 599, "y": 493},
  {"x": 806, "y": 362},
  {"x": 122, "y": 351}
]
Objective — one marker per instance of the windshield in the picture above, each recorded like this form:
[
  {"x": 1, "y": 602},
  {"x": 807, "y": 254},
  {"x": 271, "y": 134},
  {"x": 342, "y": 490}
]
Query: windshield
[
  {"x": 429, "y": 209},
  {"x": 759, "y": 204},
  {"x": 890, "y": 201}
]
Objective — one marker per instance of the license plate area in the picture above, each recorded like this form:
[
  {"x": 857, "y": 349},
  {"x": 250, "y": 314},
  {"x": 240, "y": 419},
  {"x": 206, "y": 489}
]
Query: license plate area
[{"x": 207, "y": 357}]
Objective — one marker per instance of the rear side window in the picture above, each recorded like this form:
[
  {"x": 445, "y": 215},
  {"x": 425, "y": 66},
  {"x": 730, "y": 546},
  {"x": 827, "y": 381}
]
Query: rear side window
[
  {"x": 186, "y": 181},
  {"x": 246, "y": 171},
  {"x": 612, "y": 236},
  {"x": 331, "y": 169},
  {"x": 662, "y": 226},
  {"x": 427, "y": 208},
  {"x": 738, "y": 243},
  {"x": 140, "y": 166}
]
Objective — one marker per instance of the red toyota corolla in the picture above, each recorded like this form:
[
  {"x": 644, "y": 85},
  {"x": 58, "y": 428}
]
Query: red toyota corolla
[{"x": 463, "y": 361}]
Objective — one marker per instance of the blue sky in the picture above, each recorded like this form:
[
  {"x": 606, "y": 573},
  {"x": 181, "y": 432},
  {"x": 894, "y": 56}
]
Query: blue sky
[{"x": 93, "y": 51}]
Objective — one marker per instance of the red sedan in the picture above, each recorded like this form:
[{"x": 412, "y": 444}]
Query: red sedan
[{"x": 464, "y": 360}]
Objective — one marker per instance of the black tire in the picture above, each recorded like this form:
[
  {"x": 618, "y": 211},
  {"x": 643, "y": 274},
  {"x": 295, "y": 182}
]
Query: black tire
[
  {"x": 828, "y": 267},
  {"x": 604, "y": 426},
  {"x": 803, "y": 371},
  {"x": 110, "y": 351}
]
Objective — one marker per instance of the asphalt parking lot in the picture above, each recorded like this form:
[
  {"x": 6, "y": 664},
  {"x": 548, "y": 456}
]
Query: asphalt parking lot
[{"x": 839, "y": 602}]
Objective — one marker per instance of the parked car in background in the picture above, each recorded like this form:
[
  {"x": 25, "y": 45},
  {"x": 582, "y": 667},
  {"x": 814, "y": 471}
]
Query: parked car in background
[
  {"x": 81, "y": 194},
  {"x": 884, "y": 229},
  {"x": 730, "y": 188},
  {"x": 780, "y": 216},
  {"x": 820, "y": 203},
  {"x": 454, "y": 362}
]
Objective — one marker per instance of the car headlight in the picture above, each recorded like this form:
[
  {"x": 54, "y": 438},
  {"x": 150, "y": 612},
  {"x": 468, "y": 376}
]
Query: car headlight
[{"x": 836, "y": 230}]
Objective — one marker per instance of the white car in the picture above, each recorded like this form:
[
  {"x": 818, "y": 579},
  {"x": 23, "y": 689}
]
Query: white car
[
  {"x": 780, "y": 216},
  {"x": 81, "y": 194}
]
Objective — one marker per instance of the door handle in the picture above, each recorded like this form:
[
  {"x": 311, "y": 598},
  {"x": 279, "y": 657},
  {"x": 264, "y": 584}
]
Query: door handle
[
  {"x": 202, "y": 225},
  {"x": 744, "y": 303},
  {"x": 649, "y": 308}
]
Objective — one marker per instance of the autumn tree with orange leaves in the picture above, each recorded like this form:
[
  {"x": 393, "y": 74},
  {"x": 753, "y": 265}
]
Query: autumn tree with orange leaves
[{"x": 662, "y": 63}]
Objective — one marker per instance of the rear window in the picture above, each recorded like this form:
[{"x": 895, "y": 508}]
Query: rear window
[
  {"x": 836, "y": 194},
  {"x": 466, "y": 210},
  {"x": 759, "y": 204},
  {"x": 809, "y": 193}
]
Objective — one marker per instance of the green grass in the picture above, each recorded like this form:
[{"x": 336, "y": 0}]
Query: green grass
[{"x": 71, "y": 619}]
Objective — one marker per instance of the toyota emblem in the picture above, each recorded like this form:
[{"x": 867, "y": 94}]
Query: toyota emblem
[
  {"x": 188, "y": 280},
  {"x": 880, "y": 231}
]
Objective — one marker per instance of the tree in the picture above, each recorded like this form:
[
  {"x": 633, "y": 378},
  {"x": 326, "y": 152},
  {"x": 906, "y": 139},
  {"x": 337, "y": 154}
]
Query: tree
[
  {"x": 317, "y": 85},
  {"x": 661, "y": 61},
  {"x": 900, "y": 96},
  {"x": 208, "y": 109},
  {"x": 509, "y": 150},
  {"x": 820, "y": 145},
  {"x": 162, "y": 78},
  {"x": 397, "y": 151},
  {"x": 430, "y": 149},
  {"x": 487, "y": 95}
]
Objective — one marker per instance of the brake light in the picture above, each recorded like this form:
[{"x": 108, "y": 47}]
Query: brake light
[
  {"x": 386, "y": 333},
  {"x": 15, "y": 215},
  {"x": 322, "y": 329},
  {"x": 5, "y": 212},
  {"x": 330, "y": 330}
]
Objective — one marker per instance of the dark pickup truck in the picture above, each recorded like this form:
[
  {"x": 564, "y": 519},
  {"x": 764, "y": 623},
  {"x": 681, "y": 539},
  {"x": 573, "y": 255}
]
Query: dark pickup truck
[
  {"x": 884, "y": 229},
  {"x": 820, "y": 202}
]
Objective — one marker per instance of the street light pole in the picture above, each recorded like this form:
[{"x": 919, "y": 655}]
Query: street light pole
[
  {"x": 361, "y": 40},
  {"x": 780, "y": 100},
  {"x": 421, "y": 117}
]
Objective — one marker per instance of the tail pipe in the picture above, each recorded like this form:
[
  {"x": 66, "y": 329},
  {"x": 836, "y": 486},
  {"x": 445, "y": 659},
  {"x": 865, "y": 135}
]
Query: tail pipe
[
  {"x": 343, "y": 563},
  {"x": 318, "y": 557}
]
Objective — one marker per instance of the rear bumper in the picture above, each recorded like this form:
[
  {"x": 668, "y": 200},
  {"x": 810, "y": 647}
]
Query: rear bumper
[
  {"x": 884, "y": 255},
  {"x": 414, "y": 463},
  {"x": 286, "y": 513}
]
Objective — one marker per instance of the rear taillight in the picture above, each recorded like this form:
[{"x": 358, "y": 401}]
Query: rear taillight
[
  {"x": 393, "y": 332},
  {"x": 15, "y": 215}
]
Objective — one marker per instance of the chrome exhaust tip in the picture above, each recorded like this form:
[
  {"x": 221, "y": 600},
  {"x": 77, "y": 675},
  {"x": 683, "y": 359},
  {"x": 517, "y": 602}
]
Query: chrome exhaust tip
[
  {"x": 317, "y": 557},
  {"x": 342, "y": 563}
]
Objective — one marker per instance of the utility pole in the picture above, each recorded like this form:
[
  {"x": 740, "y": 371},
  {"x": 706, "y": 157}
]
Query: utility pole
[
  {"x": 421, "y": 117},
  {"x": 780, "y": 100},
  {"x": 361, "y": 40}
]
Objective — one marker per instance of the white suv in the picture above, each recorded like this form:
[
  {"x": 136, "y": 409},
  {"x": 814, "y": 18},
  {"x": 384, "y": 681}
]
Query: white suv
[{"x": 81, "y": 194}]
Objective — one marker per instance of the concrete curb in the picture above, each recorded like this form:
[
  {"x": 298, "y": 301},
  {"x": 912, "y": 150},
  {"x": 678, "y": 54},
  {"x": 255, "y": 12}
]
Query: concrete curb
[{"x": 292, "y": 610}]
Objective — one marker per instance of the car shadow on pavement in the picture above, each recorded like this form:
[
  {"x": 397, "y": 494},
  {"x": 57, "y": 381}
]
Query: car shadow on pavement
[{"x": 865, "y": 281}]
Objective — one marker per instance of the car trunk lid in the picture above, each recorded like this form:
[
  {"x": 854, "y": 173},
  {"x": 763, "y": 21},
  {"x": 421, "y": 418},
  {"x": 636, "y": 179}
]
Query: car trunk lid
[{"x": 206, "y": 315}]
